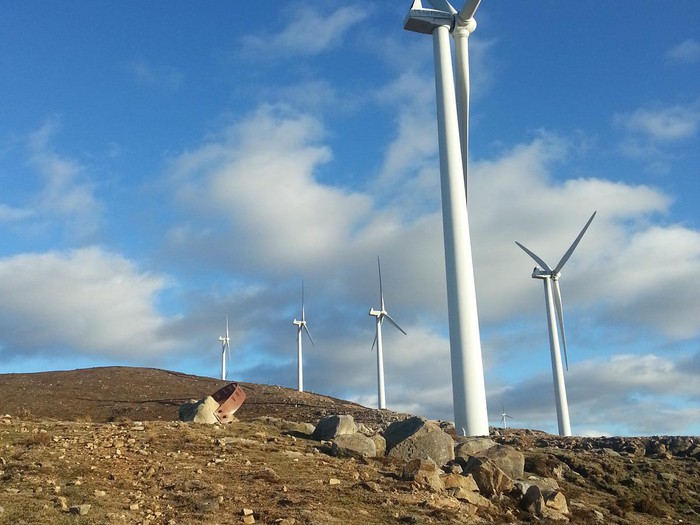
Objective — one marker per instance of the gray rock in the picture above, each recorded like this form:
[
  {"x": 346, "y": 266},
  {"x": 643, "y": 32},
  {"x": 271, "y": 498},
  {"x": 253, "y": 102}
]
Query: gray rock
[
  {"x": 333, "y": 426},
  {"x": 416, "y": 438},
  {"x": 425, "y": 473},
  {"x": 201, "y": 411},
  {"x": 532, "y": 500},
  {"x": 506, "y": 458},
  {"x": 470, "y": 446},
  {"x": 354, "y": 445},
  {"x": 379, "y": 443},
  {"x": 490, "y": 479}
]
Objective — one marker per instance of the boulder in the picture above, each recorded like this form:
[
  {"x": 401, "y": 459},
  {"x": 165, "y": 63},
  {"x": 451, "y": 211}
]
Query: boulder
[
  {"x": 506, "y": 458},
  {"x": 331, "y": 427},
  {"x": 490, "y": 479},
  {"x": 471, "y": 446},
  {"x": 379, "y": 443},
  {"x": 424, "y": 472},
  {"x": 201, "y": 411},
  {"x": 417, "y": 438},
  {"x": 354, "y": 446},
  {"x": 532, "y": 500},
  {"x": 465, "y": 489},
  {"x": 550, "y": 504}
]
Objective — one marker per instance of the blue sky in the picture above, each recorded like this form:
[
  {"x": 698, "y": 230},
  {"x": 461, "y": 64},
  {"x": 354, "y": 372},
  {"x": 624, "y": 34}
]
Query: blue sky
[{"x": 166, "y": 164}]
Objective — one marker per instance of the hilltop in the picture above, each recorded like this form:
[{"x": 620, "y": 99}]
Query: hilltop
[{"x": 108, "y": 438}]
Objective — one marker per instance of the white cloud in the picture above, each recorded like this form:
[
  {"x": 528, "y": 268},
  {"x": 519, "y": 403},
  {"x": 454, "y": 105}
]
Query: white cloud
[
  {"x": 67, "y": 193},
  {"x": 155, "y": 76},
  {"x": 662, "y": 124},
  {"x": 309, "y": 32},
  {"x": 687, "y": 52},
  {"x": 10, "y": 214},
  {"x": 86, "y": 301},
  {"x": 260, "y": 178}
]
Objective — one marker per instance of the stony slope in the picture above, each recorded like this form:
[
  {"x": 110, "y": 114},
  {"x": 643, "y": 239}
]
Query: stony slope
[{"x": 72, "y": 439}]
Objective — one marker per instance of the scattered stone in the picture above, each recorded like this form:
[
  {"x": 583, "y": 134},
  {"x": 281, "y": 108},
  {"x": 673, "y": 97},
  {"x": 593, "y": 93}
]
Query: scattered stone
[
  {"x": 247, "y": 515},
  {"x": 334, "y": 481},
  {"x": 62, "y": 502},
  {"x": 80, "y": 510},
  {"x": 371, "y": 486}
]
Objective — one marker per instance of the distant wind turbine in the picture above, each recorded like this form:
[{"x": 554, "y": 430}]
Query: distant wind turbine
[
  {"x": 504, "y": 417},
  {"x": 225, "y": 349},
  {"x": 552, "y": 296},
  {"x": 301, "y": 326},
  {"x": 381, "y": 314},
  {"x": 468, "y": 389}
]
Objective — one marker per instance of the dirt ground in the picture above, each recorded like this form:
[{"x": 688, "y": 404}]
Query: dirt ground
[{"x": 108, "y": 438}]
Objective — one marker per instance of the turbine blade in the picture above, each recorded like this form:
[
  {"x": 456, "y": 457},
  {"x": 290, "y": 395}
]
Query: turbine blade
[
  {"x": 309, "y": 334},
  {"x": 302, "y": 302},
  {"x": 537, "y": 259},
  {"x": 468, "y": 9},
  {"x": 227, "y": 328},
  {"x": 373, "y": 342},
  {"x": 395, "y": 323},
  {"x": 573, "y": 246},
  {"x": 558, "y": 306},
  {"x": 381, "y": 292},
  {"x": 443, "y": 5}
]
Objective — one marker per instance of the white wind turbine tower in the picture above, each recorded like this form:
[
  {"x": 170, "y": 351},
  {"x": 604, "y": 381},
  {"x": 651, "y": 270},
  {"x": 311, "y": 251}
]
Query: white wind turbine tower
[
  {"x": 468, "y": 390},
  {"x": 552, "y": 297},
  {"x": 381, "y": 314},
  {"x": 225, "y": 349},
  {"x": 301, "y": 326}
]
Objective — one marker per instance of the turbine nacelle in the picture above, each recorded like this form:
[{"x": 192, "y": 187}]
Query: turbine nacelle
[
  {"x": 377, "y": 313},
  {"x": 422, "y": 20},
  {"x": 539, "y": 273}
]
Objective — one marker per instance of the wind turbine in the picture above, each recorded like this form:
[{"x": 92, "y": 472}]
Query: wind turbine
[
  {"x": 552, "y": 297},
  {"x": 504, "y": 417},
  {"x": 225, "y": 349},
  {"x": 468, "y": 390},
  {"x": 381, "y": 314},
  {"x": 301, "y": 326}
]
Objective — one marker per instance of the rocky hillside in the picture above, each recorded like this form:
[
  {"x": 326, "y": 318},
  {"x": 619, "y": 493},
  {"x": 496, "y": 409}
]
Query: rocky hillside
[{"x": 82, "y": 447}]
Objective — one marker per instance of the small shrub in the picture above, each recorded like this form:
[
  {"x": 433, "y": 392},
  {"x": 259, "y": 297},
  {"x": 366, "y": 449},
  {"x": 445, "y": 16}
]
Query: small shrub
[{"x": 648, "y": 505}]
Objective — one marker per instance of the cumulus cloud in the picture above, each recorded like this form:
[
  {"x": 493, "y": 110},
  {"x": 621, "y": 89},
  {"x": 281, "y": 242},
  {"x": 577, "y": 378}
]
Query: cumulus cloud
[
  {"x": 309, "y": 32},
  {"x": 662, "y": 124},
  {"x": 260, "y": 178},
  {"x": 86, "y": 301},
  {"x": 624, "y": 394}
]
